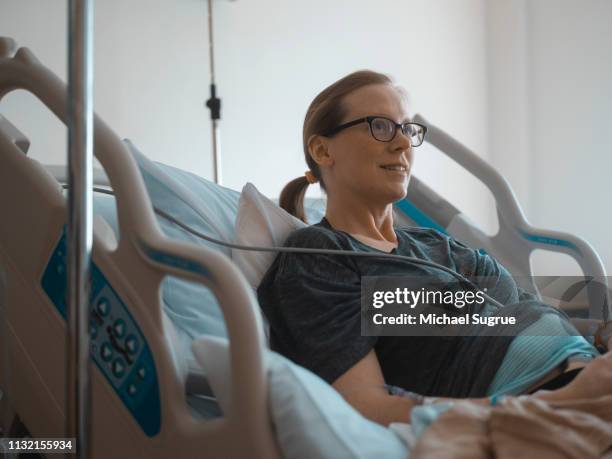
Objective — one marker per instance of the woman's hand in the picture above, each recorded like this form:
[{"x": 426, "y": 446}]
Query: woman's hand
[{"x": 595, "y": 380}]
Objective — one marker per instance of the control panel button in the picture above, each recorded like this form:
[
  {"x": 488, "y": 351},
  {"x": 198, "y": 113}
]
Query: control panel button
[
  {"x": 103, "y": 307},
  {"x": 118, "y": 367},
  {"x": 132, "y": 389},
  {"x": 131, "y": 344},
  {"x": 106, "y": 352},
  {"x": 142, "y": 373},
  {"x": 119, "y": 328}
]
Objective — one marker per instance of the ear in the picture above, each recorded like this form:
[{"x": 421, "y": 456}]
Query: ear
[{"x": 318, "y": 148}]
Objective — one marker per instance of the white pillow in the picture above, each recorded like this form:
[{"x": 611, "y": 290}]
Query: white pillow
[
  {"x": 260, "y": 222},
  {"x": 311, "y": 418}
]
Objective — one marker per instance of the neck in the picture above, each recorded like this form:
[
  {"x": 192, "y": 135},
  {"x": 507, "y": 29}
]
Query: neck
[{"x": 360, "y": 218}]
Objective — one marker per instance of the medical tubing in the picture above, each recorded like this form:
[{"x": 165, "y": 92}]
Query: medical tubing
[
  {"x": 309, "y": 250},
  {"x": 325, "y": 252}
]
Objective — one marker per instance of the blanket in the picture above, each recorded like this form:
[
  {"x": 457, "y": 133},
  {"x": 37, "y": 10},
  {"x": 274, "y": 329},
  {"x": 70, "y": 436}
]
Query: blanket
[{"x": 521, "y": 427}]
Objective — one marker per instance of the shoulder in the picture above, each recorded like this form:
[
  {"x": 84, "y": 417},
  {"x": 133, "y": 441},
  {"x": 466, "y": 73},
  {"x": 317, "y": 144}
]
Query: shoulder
[{"x": 288, "y": 266}]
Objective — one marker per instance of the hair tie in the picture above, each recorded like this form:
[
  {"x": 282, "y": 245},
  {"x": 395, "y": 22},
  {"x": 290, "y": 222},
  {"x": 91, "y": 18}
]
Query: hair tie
[{"x": 310, "y": 177}]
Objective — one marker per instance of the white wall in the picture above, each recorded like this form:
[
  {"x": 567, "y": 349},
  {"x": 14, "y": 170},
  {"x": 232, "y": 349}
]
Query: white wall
[
  {"x": 150, "y": 78},
  {"x": 273, "y": 56},
  {"x": 551, "y": 110},
  {"x": 571, "y": 71},
  {"x": 524, "y": 83}
]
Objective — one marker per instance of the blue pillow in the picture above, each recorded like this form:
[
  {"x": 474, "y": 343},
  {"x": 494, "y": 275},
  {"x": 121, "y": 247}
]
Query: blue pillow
[{"x": 204, "y": 206}]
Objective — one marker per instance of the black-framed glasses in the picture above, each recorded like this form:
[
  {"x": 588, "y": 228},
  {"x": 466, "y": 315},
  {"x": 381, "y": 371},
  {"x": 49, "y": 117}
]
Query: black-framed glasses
[{"x": 384, "y": 129}]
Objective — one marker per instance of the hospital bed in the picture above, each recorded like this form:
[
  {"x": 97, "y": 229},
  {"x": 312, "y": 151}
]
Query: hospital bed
[{"x": 139, "y": 394}]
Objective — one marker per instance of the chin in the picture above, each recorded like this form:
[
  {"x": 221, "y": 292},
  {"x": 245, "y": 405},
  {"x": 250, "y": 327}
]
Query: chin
[{"x": 396, "y": 195}]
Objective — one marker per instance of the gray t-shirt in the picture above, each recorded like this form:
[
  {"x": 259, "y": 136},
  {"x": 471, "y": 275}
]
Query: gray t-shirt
[{"x": 313, "y": 305}]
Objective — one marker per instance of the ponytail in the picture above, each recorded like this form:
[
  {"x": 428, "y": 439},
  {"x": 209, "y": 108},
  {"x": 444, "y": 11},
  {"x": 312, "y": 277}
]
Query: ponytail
[{"x": 292, "y": 197}]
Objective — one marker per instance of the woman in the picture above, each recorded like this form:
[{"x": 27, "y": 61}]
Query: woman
[{"x": 358, "y": 145}]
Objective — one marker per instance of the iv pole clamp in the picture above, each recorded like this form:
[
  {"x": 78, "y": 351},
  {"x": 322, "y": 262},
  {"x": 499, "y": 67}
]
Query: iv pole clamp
[{"x": 214, "y": 103}]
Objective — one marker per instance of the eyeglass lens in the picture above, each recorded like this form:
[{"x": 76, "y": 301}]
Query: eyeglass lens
[{"x": 384, "y": 130}]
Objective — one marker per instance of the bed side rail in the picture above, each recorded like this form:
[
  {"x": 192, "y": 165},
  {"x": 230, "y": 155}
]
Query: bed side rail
[{"x": 143, "y": 257}]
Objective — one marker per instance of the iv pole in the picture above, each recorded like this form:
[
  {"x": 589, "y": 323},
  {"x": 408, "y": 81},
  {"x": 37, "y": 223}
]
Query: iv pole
[
  {"x": 79, "y": 231},
  {"x": 214, "y": 103}
]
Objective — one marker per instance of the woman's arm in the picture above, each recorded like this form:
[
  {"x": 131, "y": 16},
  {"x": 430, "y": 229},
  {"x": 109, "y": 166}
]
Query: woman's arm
[{"x": 363, "y": 386}]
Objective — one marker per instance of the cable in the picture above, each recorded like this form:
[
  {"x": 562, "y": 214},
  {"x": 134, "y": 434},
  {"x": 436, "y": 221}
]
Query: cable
[
  {"x": 325, "y": 252},
  {"x": 315, "y": 251}
]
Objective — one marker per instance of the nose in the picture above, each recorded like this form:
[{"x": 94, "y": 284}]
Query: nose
[
  {"x": 401, "y": 142},
  {"x": 402, "y": 146}
]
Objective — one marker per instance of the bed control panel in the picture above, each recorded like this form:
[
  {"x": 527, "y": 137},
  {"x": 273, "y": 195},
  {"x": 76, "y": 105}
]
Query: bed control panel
[{"x": 118, "y": 347}]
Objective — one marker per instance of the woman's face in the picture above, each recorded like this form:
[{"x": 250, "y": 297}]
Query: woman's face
[{"x": 358, "y": 163}]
